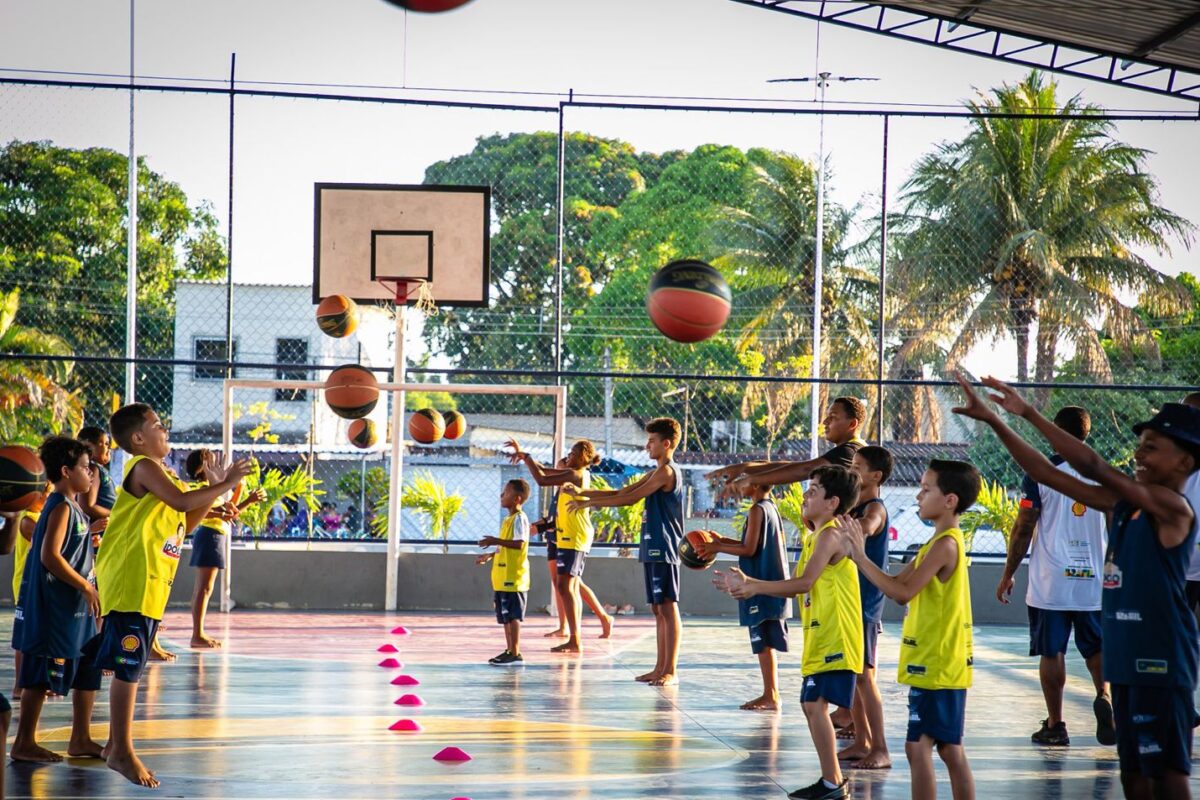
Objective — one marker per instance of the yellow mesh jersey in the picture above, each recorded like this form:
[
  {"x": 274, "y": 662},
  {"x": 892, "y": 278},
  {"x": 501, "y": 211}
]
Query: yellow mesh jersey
[
  {"x": 136, "y": 565},
  {"x": 831, "y": 614},
  {"x": 574, "y": 528},
  {"x": 936, "y": 647},
  {"x": 510, "y": 565}
]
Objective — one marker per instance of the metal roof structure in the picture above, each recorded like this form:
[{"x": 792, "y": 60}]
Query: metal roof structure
[{"x": 1151, "y": 45}]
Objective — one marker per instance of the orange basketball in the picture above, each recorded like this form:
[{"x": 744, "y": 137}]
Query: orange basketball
[
  {"x": 337, "y": 316},
  {"x": 22, "y": 478},
  {"x": 351, "y": 391},
  {"x": 456, "y": 425},
  {"x": 362, "y": 433},
  {"x": 426, "y": 426},
  {"x": 688, "y": 555},
  {"x": 689, "y": 301}
]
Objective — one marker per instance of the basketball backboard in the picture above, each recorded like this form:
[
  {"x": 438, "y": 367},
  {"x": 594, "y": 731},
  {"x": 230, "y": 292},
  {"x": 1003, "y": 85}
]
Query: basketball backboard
[{"x": 365, "y": 233}]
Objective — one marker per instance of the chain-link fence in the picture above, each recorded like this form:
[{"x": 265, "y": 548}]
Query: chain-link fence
[{"x": 1030, "y": 236}]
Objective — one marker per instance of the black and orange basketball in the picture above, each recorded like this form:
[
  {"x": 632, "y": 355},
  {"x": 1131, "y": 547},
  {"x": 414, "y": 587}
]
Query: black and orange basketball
[
  {"x": 689, "y": 556},
  {"x": 426, "y": 426},
  {"x": 456, "y": 425},
  {"x": 351, "y": 391},
  {"x": 429, "y": 6},
  {"x": 337, "y": 316},
  {"x": 689, "y": 301},
  {"x": 362, "y": 433},
  {"x": 22, "y": 478}
]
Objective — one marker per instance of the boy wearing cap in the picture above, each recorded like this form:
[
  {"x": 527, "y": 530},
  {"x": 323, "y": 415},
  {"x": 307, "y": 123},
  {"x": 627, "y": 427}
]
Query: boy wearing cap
[{"x": 1150, "y": 635}]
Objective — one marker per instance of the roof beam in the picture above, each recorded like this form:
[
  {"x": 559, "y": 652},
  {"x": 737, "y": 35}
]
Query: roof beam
[{"x": 1167, "y": 36}]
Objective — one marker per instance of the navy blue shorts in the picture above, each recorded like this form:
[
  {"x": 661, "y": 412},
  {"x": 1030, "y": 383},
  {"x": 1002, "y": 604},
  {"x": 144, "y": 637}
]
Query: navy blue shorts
[
  {"x": 551, "y": 550},
  {"x": 59, "y": 675},
  {"x": 123, "y": 645},
  {"x": 510, "y": 606},
  {"x": 940, "y": 714},
  {"x": 1049, "y": 631},
  {"x": 835, "y": 686},
  {"x": 871, "y": 630},
  {"x": 5, "y": 706},
  {"x": 1154, "y": 729},
  {"x": 662, "y": 582},
  {"x": 772, "y": 633},
  {"x": 570, "y": 562},
  {"x": 208, "y": 548}
]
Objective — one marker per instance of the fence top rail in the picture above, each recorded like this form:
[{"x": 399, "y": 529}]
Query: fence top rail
[{"x": 449, "y": 388}]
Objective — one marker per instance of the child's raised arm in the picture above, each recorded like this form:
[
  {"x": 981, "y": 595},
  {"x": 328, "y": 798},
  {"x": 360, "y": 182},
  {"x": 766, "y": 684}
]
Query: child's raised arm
[
  {"x": 660, "y": 478},
  {"x": 906, "y": 586},
  {"x": 748, "y": 546},
  {"x": 826, "y": 549},
  {"x": 149, "y": 476}
]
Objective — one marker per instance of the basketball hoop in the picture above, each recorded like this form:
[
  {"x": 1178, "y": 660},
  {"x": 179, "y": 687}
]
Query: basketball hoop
[{"x": 405, "y": 289}]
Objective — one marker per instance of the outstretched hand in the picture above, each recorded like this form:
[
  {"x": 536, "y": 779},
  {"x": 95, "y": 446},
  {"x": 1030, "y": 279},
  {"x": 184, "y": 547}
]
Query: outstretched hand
[
  {"x": 1007, "y": 397},
  {"x": 733, "y": 583},
  {"x": 973, "y": 406},
  {"x": 516, "y": 454},
  {"x": 853, "y": 535}
]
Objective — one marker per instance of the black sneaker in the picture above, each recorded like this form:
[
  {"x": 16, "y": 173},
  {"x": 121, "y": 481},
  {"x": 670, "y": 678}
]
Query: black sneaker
[
  {"x": 1106, "y": 731},
  {"x": 1052, "y": 737},
  {"x": 508, "y": 658},
  {"x": 819, "y": 791},
  {"x": 496, "y": 659}
]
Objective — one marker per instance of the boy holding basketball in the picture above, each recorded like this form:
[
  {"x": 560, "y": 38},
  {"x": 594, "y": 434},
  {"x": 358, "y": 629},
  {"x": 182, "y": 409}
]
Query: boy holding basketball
[
  {"x": 59, "y": 607},
  {"x": 135, "y": 567},
  {"x": 762, "y": 555},
  {"x": 662, "y": 530},
  {"x": 831, "y": 615},
  {"x": 510, "y": 569},
  {"x": 1149, "y": 633}
]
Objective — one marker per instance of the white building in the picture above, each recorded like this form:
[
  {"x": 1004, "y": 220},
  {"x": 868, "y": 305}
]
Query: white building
[{"x": 272, "y": 324}]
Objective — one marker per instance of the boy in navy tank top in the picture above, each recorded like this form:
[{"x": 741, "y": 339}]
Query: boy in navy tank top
[
  {"x": 761, "y": 554},
  {"x": 1150, "y": 635},
  {"x": 59, "y": 608},
  {"x": 662, "y": 530}
]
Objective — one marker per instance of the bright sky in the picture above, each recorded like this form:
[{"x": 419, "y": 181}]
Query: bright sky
[{"x": 712, "y": 48}]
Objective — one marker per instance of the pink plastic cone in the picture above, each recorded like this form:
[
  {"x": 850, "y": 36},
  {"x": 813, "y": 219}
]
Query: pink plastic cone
[
  {"x": 400, "y": 630},
  {"x": 410, "y": 700},
  {"x": 405, "y": 680},
  {"x": 451, "y": 754},
  {"x": 460, "y": 798},
  {"x": 388, "y": 648},
  {"x": 390, "y": 663},
  {"x": 404, "y": 725}
]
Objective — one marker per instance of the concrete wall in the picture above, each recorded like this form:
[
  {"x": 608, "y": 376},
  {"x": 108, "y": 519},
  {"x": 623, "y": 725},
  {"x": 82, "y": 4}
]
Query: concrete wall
[{"x": 349, "y": 580}]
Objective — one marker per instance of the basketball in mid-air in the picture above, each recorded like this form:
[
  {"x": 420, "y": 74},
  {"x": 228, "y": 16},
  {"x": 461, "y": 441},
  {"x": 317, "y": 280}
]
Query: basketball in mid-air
[
  {"x": 351, "y": 391},
  {"x": 426, "y": 426},
  {"x": 688, "y": 301},
  {"x": 456, "y": 425},
  {"x": 689, "y": 556},
  {"x": 337, "y": 316},
  {"x": 429, "y": 6},
  {"x": 22, "y": 478},
  {"x": 362, "y": 433}
]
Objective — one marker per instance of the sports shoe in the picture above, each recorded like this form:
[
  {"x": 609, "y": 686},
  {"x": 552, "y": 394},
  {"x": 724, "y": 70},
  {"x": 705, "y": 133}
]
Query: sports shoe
[
  {"x": 819, "y": 791},
  {"x": 495, "y": 659},
  {"x": 508, "y": 658},
  {"x": 1106, "y": 731},
  {"x": 1052, "y": 737}
]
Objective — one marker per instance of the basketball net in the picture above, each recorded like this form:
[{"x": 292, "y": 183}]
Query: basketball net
[{"x": 417, "y": 289}]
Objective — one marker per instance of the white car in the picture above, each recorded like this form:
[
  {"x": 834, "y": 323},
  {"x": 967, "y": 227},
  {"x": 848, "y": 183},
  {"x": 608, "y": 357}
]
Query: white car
[{"x": 908, "y": 532}]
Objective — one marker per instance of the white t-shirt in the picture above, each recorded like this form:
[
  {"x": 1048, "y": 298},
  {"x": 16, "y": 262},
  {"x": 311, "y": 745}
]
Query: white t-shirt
[
  {"x": 1191, "y": 490},
  {"x": 1067, "y": 557}
]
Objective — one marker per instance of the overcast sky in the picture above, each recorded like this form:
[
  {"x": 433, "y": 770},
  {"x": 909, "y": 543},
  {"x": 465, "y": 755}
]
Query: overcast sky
[{"x": 710, "y": 48}]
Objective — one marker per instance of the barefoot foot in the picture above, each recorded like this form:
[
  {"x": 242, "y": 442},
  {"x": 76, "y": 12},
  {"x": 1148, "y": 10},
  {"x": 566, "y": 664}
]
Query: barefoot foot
[
  {"x": 762, "y": 703},
  {"x": 203, "y": 641},
  {"x": 872, "y": 761},
  {"x": 85, "y": 748},
  {"x": 852, "y": 753},
  {"x": 652, "y": 675},
  {"x": 133, "y": 769},
  {"x": 567, "y": 647},
  {"x": 561, "y": 632},
  {"x": 606, "y": 623},
  {"x": 666, "y": 679},
  {"x": 33, "y": 753},
  {"x": 157, "y": 653}
]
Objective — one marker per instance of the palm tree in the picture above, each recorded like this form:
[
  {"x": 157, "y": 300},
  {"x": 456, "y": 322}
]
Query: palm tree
[
  {"x": 33, "y": 399},
  {"x": 770, "y": 251},
  {"x": 1030, "y": 221},
  {"x": 426, "y": 495}
]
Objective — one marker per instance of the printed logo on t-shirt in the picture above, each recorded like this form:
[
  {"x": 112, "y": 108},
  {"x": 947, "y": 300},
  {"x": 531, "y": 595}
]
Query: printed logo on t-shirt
[
  {"x": 1148, "y": 746},
  {"x": 909, "y": 641},
  {"x": 1078, "y": 508},
  {"x": 829, "y": 659},
  {"x": 653, "y": 553},
  {"x": 1079, "y": 572},
  {"x": 1112, "y": 576},
  {"x": 1151, "y": 666},
  {"x": 1127, "y": 616},
  {"x": 752, "y": 610},
  {"x": 916, "y": 669}
]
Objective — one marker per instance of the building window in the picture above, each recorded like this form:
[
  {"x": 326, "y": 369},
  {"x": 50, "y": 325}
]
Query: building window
[
  {"x": 211, "y": 350},
  {"x": 291, "y": 351}
]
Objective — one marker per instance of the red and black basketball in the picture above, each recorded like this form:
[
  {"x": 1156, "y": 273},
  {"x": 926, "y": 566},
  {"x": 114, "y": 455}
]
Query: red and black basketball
[
  {"x": 689, "y": 556},
  {"x": 426, "y": 426},
  {"x": 362, "y": 433},
  {"x": 22, "y": 478},
  {"x": 688, "y": 301},
  {"x": 456, "y": 425},
  {"x": 351, "y": 391},
  {"x": 337, "y": 316}
]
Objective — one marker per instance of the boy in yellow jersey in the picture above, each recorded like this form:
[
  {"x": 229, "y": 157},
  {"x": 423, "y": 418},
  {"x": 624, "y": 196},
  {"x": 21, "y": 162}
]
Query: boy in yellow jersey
[
  {"x": 936, "y": 649},
  {"x": 510, "y": 569},
  {"x": 831, "y": 615},
  {"x": 136, "y": 565}
]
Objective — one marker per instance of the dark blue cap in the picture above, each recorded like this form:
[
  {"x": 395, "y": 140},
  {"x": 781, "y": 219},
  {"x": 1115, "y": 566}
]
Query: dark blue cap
[{"x": 1176, "y": 420}]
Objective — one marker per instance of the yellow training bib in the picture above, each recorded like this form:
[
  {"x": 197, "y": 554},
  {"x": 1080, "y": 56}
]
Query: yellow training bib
[
  {"x": 831, "y": 614},
  {"x": 510, "y": 565},
  {"x": 575, "y": 531},
  {"x": 21, "y": 552},
  {"x": 936, "y": 647}
]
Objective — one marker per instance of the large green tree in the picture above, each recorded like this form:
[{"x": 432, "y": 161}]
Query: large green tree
[
  {"x": 1026, "y": 227},
  {"x": 34, "y": 398},
  {"x": 63, "y": 229}
]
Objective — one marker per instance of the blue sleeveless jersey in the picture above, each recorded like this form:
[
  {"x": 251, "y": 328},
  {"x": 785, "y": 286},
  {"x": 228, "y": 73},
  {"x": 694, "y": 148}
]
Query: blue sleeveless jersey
[
  {"x": 56, "y": 621},
  {"x": 877, "y": 550},
  {"x": 769, "y": 563},
  {"x": 1149, "y": 631},
  {"x": 106, "y": 495},
  {"x": 662, "y": 524}
]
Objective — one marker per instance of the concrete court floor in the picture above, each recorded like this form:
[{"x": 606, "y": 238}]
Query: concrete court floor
[{"x": 295, "y": 706}]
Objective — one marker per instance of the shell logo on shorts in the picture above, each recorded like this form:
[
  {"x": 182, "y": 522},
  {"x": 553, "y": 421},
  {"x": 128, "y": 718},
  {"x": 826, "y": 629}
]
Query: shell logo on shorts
[
  {"x": 130, "y": 643},
  {"x": 1078, "y": 509}
]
